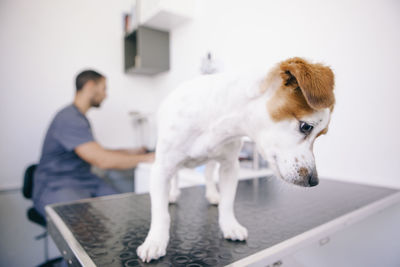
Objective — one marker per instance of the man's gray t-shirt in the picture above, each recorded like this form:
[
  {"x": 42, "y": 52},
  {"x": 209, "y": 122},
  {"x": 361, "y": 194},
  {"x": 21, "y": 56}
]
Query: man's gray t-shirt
[{"x": 59, "y": 165}]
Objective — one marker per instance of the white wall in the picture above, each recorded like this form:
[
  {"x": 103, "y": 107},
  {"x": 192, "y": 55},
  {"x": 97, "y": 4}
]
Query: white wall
[
  {"x": 43, "y": 45},
  {"x": 360, "y": 40}
]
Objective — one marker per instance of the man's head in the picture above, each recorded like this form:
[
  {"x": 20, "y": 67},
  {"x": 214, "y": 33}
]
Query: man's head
[{"x": 93, "y": 85}]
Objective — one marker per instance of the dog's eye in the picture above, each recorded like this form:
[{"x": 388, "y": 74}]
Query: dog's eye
[{"x": 305, "y": 128}]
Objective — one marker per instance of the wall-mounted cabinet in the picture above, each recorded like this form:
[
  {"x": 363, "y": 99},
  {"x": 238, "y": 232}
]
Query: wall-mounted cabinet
[
  {"x": 165, "y": 14},
  {"x": 147, "y": 51},
  {"x": 147, "y": 47}
]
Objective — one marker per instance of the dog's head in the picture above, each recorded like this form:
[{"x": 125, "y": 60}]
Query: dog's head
[{"x": 298, "y": 110}]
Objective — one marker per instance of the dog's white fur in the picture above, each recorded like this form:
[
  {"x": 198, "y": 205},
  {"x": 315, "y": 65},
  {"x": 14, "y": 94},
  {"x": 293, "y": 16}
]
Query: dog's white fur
[{"x": 203, "y": 121}]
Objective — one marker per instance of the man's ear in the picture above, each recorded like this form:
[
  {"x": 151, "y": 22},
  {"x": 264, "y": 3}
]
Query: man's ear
[
  {"x": 315, "y": 81},
  {"x": 89, "y": 86},
  {"x": 90, "y": 83}
]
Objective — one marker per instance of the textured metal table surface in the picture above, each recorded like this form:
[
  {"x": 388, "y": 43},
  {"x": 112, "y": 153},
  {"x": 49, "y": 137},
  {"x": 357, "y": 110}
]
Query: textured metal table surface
[{"x": 110, "y": 229}]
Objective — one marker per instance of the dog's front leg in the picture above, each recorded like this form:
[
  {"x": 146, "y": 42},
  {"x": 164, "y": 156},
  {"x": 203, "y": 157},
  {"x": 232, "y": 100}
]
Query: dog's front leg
[
  {"x": 157, "y": 239},
  {"x": 228, "y": 180}
]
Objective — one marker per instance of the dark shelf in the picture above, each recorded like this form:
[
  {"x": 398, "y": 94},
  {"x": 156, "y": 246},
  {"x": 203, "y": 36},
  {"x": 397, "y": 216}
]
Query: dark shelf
[{"x": 146, "y": 51}]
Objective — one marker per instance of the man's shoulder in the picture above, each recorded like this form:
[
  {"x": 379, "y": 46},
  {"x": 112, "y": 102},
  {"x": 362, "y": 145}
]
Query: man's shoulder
[
  {"x": 70, "y": 115},
  {"x": 68, "y": 109}
]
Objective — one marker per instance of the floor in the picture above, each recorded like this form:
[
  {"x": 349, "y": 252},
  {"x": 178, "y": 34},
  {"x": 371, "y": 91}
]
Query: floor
[{"x": 18, "y": 246}]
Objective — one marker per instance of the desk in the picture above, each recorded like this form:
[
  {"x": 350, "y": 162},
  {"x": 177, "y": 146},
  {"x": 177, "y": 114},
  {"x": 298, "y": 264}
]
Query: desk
[{"x": 280, "y": 218}]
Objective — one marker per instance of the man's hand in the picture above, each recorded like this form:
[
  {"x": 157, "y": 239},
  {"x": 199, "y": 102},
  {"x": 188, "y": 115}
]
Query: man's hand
[{"x": 140, "y": 150}]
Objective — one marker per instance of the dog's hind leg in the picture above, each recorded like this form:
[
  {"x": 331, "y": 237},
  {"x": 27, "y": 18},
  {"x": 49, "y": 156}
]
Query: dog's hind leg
[
  {"x": 212, "y": 193},
  {"x": 228, "y": 180},
  {"x": 157, "y": 239},
  {"x": 174, "y": 192}
]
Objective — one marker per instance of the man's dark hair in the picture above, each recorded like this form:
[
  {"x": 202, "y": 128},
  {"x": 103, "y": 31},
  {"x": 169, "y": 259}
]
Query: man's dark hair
[{"x": 85, "y": 76}]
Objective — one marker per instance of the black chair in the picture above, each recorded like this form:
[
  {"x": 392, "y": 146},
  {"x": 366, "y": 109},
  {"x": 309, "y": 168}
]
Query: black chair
[
  {"x": 34, "y": 216},
  {"x": 27, "y": 189}
]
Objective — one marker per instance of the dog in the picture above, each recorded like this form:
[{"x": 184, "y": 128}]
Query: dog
[{"x": 283, "y": 111}]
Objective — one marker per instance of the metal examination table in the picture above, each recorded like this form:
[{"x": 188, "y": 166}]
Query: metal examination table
[{"x": 281, "y": 219}]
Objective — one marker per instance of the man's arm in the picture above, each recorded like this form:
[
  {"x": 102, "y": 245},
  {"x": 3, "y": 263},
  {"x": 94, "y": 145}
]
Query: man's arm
[
  {"x": 96, "y": 155},
  {"x": 140, "y": 150}
]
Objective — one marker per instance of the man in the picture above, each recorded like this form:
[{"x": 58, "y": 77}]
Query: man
[{"x": 69, "y": 150}]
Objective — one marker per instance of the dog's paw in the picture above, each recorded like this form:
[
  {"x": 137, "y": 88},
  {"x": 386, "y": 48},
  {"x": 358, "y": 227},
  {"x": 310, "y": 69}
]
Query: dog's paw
[
  {"x": 152, "y": 249},
  {"x": 174, "y": 196},
  {"x": 234, "y": 231},
  {"x": 213, "y": 198}
]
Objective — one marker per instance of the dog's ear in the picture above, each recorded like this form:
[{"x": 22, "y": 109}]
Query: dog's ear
[{"x": 315, "y": 81}]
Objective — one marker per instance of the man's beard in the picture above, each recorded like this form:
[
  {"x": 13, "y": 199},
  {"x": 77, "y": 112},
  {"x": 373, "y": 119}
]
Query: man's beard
[{"x": 95, "y": 104}]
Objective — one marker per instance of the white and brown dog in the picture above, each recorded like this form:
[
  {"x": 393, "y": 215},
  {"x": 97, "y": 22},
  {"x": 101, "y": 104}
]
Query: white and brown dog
[{"x": 204, "y": 120}]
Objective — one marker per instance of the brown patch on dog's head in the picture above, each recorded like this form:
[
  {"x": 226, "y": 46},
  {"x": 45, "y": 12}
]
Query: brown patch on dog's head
[{"x": 304, "y": 88}]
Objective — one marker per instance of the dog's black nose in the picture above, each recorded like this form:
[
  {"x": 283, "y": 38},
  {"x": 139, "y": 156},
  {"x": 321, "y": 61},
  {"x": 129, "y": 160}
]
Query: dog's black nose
[{"x": 313, "y": 180}]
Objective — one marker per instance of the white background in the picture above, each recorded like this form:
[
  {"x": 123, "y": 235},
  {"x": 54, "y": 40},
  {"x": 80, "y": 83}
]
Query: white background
[{"x": 44, "y": 44}]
